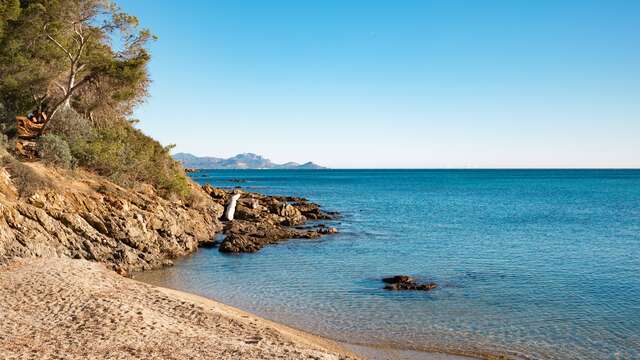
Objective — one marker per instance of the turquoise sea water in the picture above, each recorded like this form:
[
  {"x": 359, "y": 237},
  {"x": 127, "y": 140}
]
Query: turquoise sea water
[{"x": 531, "y": 263}]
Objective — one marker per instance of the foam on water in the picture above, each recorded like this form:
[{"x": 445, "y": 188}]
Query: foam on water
[{"x": 539, "y": 264}]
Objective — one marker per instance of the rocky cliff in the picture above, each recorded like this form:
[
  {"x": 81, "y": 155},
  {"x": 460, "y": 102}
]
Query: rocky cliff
[{"x": 80, "y": 215}]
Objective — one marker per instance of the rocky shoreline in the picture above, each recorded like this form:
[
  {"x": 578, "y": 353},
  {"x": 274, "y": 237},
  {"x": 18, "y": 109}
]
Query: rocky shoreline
[
  {"x": 84, "y": 216},
  {"x": 262, "y": 220},
  {"x": 47, "y": 237}
]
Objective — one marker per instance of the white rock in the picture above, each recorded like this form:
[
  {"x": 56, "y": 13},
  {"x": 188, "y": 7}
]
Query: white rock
[{"x": 231, "y": 208}]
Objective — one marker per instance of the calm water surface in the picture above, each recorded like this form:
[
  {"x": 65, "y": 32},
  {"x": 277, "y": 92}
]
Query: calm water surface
[{"x": 531, "y": 263}]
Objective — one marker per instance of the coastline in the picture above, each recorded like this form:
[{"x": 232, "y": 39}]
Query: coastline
[
  {"x": 356, "y": 351},
  {"x": 87, "y": 184},
  {"x": 63, "y": 308},
  {"x": 51, "y": 263},
  {"x": 70, "y": 308},
  {"x": 295, "y": 335}
]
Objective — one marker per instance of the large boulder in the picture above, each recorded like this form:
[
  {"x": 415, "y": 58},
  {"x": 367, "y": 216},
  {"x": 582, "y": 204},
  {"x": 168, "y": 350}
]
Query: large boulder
[
  {"x": 216, "y": 193},
  {"x": 250, "y": 236},
  {"x": 291, "y": 215},
  {"x": 238, "y": 243}
]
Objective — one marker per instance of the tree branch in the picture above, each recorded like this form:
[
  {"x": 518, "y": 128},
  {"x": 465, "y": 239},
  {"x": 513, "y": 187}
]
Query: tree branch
[
  {"x": 70, "y": 93},
  {"x": 77, "y": 29},
  {"x": 59, "y": 86},
  {"x": 44, "y": 29},
  {"x": 80, "y": 50},
  {"x": 60, "y": 46},
  {"x": 80, "y": 83}
]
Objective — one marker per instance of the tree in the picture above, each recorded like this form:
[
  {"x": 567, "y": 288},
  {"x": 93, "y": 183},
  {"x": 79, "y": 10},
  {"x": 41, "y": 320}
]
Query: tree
[
  {"x": 9, "y": 9},
  {"x": 85, "y": 63},
  {"x": 61, "y": 53},
  {"x": 24, "y": 69}
]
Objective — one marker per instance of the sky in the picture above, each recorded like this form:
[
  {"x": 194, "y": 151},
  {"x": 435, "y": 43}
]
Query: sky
[{"x": 397, "y": 84}]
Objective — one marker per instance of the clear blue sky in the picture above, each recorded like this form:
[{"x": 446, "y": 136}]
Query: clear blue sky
[{"x": 398, "y": 83}]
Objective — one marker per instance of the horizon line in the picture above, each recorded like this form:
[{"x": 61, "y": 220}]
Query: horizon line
[{"x": 438, "y": 168}]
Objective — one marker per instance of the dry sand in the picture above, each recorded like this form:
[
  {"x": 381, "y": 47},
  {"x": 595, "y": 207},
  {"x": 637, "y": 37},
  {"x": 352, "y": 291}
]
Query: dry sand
[{"x": 75, "y": 309}]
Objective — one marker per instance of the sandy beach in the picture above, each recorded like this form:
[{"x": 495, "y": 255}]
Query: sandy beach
[{"x": 70, "y": 309}]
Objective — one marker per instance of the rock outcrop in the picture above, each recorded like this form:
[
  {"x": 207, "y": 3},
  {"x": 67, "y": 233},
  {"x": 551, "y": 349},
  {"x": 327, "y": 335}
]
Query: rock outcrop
[
  {"x": 261, "y": 220},
  {"x": 86, "y": 216},
  {"x": 404, "y": 282}
]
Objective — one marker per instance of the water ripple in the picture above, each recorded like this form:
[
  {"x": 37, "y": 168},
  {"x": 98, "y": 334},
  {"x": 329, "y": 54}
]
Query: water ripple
[{"x": 533, "y": 264}]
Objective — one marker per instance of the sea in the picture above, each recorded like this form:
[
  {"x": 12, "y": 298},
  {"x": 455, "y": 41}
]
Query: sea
[{"x": 530, "y": 264}]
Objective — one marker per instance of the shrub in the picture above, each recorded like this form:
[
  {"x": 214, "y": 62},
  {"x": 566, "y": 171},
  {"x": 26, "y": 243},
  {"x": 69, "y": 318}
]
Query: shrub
[
  {"x": 8, "y": 131},
  {"x": 70, "y": 126},
  {"x": 4, "y": 141},
  {"x": 26, "y": 180},
  {"x": 55, "y": 151},
  {"x": 126, "y": 156}
]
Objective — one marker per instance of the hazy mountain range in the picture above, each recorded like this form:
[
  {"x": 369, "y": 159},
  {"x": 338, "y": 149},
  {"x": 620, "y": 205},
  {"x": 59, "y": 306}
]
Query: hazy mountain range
[{"x": 240, "y": 161}]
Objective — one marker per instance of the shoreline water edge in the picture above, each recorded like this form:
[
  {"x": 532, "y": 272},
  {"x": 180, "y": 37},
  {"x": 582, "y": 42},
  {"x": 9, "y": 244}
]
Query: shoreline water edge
[
  {"x": 76, "y": 308},
  {"x": 261, "y": 220},
  {"x": 90, "y": 311}
]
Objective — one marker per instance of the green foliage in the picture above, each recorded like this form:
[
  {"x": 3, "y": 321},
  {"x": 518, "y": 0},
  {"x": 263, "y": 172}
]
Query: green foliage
[
  {"x": 28, "y": 63},
  {"x": 55, "y": 151},
  {"x": 59, "y": 53},
  {"x": 70, "y": 126},
  {"x": 9, "y": 10},
  {"x": 4, "y": 141},
  {"x": 126, "y": 155},
  {"x": 60, "y": 56},
  {"x": 8, "y": 129}
]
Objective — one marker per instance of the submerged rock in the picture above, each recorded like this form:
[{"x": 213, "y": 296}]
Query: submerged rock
[
  {"x": 405, "y": 282},
  {"x": 398, "y": 279},
  {"x": 327, "y": 230}
]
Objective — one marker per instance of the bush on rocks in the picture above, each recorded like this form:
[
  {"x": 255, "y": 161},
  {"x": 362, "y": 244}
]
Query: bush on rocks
[
  {"x": 127, "y": 156},
  {"x": 70, "y": 126},
  {"x": 55, "y": 151}
]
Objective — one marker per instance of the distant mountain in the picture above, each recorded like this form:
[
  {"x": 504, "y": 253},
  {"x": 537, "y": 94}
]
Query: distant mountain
[{"x": 240, "y": 161}]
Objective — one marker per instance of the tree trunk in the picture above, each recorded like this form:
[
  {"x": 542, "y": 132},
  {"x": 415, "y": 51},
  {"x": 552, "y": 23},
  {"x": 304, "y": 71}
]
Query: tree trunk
[{"x": 71, "y": 84}]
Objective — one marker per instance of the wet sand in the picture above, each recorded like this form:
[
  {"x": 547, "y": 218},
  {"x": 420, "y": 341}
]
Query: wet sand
[
  {"x": 390, "y": 353},
  {"x": 58, "y": 308}
]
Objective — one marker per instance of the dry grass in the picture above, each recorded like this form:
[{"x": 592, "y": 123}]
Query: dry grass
[{"x": 24, "y": 177}]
